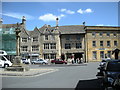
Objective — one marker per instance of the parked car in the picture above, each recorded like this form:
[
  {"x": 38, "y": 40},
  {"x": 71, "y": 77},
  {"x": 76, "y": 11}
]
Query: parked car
[
  {"x": 58, "y": 61},
  {"x": 39, "y": 61},
  {"x": 4, "y": 62},
  {"x": 102, "y": 67},
  {"x": 103, "y": 62},
  {"x": 25, "y": 61},
  {"x": 111, "y": 72}
]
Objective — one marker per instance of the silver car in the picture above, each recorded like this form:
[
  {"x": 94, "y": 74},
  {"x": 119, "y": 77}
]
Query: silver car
[{"x": 39, "y": 61}]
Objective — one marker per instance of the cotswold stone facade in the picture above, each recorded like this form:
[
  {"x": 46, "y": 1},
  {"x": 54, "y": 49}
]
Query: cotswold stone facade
[
  {"x": 101, "y": 41},
  {"x": 53, "y": 42},
  {"x": 90, "y": 43}
]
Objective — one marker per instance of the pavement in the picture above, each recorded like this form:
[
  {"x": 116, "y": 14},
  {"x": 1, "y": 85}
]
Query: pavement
[
  {"x": 36, "y": 71},
  {"x": 31, "y": 72}
]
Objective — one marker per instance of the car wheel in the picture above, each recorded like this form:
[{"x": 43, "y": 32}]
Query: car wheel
[
  {"x": 6, "y": 65},
  {"x": 53, "y": 63},
  {"x": 33, "y": 63},
  {"x": 43, "y": 63}
]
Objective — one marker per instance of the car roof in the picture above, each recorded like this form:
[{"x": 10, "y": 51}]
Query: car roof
[{"x": 110, "y": 60}]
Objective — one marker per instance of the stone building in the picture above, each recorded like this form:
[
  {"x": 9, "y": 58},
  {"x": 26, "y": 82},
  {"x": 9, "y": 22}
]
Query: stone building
[
  {"x": 90, "y": 43},
  {"x": 72, "y": 40},
  {"x": 101, "y": 41}
]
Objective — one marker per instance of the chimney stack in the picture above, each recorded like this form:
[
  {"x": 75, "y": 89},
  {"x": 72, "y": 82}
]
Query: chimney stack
[
  {"x": 57, "y": 21},
  {"x": 24, "y": 21},
  {"x": 1, "y": 21},
  {"x": 84, "y": 23}
]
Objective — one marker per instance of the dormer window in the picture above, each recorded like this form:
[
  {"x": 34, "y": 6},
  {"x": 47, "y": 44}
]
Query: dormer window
[
  {"x": 93, "y": 34},
  {"x": 101, "y": 34},
  {"x": 108, "y": 34},
  {"x": 46, "y": 37},
  {"x": 115, "y": 34},
  {"x": 24, "y": 39},
  {"x": 35, "y": 39}
]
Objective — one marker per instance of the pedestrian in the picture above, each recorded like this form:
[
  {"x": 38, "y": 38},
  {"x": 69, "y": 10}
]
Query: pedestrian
[
  {"x": 81, "y": 61},
  {"x": 72, "y": 61},
  {"x": 29, "y": 60}
]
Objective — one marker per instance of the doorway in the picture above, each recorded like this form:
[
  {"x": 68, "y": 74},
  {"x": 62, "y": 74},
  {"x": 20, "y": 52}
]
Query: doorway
[{"x": 77, "y": 56}]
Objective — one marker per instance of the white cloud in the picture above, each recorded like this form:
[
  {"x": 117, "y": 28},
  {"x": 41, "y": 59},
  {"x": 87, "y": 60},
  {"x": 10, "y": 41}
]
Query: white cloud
[
  {"x": 67, "y": 11},
  {"x": 85, "y": 11},
  {"x": 88, "y": 10},
  {"x": 63, "y": 10},
  {"x": 17, "y": 15},
  {"x": 80, "y": 11},
  {"x": 100, "y": 25},
  {"x": 105, "y": 25},
  {"x": 70, "y": 12},
  {"x": 50, "y": 17}
]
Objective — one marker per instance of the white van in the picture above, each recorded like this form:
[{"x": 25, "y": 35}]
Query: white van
[{"x": 4, "y": 62}]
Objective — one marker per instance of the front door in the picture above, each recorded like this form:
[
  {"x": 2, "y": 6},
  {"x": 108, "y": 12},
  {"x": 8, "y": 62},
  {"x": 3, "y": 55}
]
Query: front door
[{"x": 77, "y": 56}]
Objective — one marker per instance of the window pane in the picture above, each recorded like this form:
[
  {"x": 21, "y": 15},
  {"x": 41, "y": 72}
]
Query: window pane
[
  {"x": 78, "y": 45},
  {"x": 24, "y": 39},
  {"x": 101, "y": 34},
  {"x": 93, "y": 34},
  {"x": 115, "y": 43},
  {"x": 53, "y": 56},
  {"x": 108, "y": 43},
  {"x": 115, "y": 34},
  {"x": 109, "y": 54},
  {"x": 35, "y": 39},
  {"x": 101, "y": 43},
  {"x": 68, "y": 46},
  {"x": 24, "y": 48},
  {"x": 108, "y": 34},
  {"x": 94, "y": 55},
  {"x": 46, "y": 56},
  {"x": 102, "y": 54},
  {"x": 94, "y": 43},
  {"x": 53, "y": 46},
  {"x": 46, "y": 45},
  {"x": 46, "y": 37},
  {"x": 35, "y": 48}
]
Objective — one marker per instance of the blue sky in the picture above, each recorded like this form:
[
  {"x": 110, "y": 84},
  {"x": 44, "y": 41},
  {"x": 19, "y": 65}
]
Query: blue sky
[{"x": 69, "y": 13}]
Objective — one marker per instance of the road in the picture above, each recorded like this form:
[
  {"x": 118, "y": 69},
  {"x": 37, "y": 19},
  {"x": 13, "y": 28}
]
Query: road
[{"x": 66, "y": 77}]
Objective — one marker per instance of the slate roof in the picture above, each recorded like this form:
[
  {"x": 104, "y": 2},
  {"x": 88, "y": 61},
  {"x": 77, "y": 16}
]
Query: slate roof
[
  {"x": 102, "y": 28},
  {"x": 72, "y": 29},
  {"x": 9, "y": 25}
]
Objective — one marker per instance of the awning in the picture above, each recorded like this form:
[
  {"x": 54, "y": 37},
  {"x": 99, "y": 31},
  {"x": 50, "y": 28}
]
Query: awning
[{"x": 28, "y": 54}]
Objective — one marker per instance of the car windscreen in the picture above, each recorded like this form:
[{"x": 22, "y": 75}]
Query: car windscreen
[{"x": 113, "y": 66}]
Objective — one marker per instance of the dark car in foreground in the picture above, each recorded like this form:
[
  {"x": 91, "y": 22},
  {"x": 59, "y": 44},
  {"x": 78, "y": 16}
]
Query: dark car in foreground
[
  {"x": 58, "y": 61},
  {"x": 111, "y": 72},
  {"x": 102, "y": 66}
]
